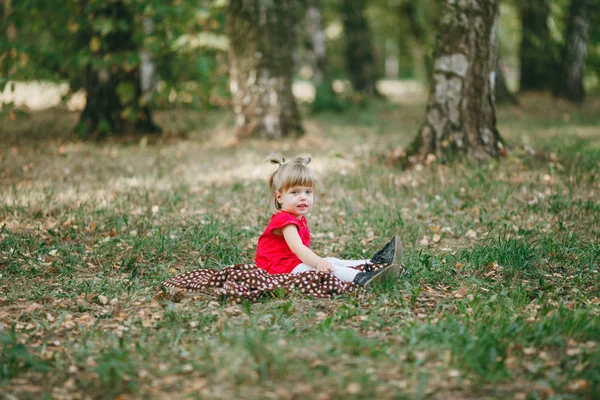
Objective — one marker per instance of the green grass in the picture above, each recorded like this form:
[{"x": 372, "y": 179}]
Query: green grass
[{"x": 500, "y": 298}]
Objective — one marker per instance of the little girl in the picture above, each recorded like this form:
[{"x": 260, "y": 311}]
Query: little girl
[{"x": 283, "y": 246}]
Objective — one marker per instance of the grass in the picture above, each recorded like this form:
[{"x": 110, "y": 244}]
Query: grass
[{"x": 501, "y": 298}]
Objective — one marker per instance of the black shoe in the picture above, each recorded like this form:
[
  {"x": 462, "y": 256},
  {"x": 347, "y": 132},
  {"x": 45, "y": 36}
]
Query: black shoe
[
  {"x": 364, "y": 279},
  {"x": 390, "y": 254}
]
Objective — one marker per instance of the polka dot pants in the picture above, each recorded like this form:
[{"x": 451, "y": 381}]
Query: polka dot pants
[{"x": 247, "y": 281}]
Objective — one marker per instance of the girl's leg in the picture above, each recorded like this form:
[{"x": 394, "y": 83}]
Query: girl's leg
[
  {"x": 345, "y": 263},
  {"x": 341, "y": 268}
]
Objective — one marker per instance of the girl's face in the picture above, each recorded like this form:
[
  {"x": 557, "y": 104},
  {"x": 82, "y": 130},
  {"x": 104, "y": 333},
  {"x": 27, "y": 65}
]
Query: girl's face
[{"x": 296, "y": 200}]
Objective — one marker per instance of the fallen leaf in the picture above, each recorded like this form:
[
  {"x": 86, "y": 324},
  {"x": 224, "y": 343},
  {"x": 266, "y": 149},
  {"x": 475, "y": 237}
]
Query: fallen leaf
[
  {"x": 578, "y": 384},
  {"x": 454, "y": 373},
  {"x": 460, "y": 293},
  {"x": 353, "y": 388},
  {"x": 573, "y": 351}
]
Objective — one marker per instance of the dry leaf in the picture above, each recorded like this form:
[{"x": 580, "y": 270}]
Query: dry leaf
[
  {"x": 353, "y": 388},
  {"x": 578, "y": 384},
  {"x": 573, "y": 351},
  {"x": 471, "y": 234}
]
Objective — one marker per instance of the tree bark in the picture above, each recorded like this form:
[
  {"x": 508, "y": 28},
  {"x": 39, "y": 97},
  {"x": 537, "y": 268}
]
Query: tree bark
[
  {"x": 569, "y": 84},
  {"x": 360, "y": 60},
  {"x": 262, "y": 35},
  {"x": 460, "y": 117},
  {"x": 113, "y": 93},
  {"x": 537, "y": 61}
]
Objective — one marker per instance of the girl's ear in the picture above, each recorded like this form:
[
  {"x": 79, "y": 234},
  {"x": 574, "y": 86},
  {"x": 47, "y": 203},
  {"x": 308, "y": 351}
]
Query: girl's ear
[{"x": 278, "y": 196}]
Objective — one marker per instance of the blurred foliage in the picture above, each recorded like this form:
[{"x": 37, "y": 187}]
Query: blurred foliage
[
  {"x": 58, "y": 43},
  {"x": 402, "y": 29},
  {"x": 593, "y": 62},
  {"x": 42, "y": 41}
]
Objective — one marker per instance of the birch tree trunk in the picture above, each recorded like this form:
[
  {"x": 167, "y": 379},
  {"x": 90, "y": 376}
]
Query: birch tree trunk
[
  {"x": 569, "y": 84},
  {"x": 262, "y": 36},
  {"x": 460, "y": 117},
  {"x": 360, "y": 60},
  {"x": 148, "y": 74},
  {"x": 537, "y": 61}
]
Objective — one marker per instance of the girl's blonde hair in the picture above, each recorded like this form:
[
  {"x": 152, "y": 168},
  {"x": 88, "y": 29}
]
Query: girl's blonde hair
[{"x": 288, "y": 174}]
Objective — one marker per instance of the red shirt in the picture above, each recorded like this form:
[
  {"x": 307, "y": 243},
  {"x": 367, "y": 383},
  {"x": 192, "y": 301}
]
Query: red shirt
[{"x": 273, "y": 254}]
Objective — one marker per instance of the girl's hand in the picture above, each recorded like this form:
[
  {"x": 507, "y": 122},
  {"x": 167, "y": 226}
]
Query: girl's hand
[{"x": 324, "y": 266}]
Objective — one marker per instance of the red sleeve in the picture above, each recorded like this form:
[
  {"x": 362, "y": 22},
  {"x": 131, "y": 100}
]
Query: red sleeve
[{"x": 282, "y": 219}]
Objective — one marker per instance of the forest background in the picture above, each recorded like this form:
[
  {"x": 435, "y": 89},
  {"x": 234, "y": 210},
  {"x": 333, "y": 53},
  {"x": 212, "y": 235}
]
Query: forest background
[{"x": 132, "y": 138}]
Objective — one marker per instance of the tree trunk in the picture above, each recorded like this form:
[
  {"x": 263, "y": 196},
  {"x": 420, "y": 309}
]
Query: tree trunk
[
  {"x": 410, "y": 27},
  {"x": 569, "y": 84},
  {"x": 318, "y": 41},
  {"x": 460, "y": 118},
  {"x": 262, "y": 35},
  {"x": 325, "y": 98},
  {"x": 537, "y": 61},
  {"x": 502, "y": 94},
  {"x": 148, "y": 74},
  {"x": 411, "y": 13},
  {"x": 360, "y": 61},
  {"x": 112, "y": 92}
]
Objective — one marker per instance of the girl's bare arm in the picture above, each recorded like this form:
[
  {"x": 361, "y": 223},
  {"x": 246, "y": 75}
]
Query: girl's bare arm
[{"x": 306, "y": 255}]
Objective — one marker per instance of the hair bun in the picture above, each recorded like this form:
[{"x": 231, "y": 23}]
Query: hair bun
[
  {"x": 302, "y": 160},
  {"x": 275, "y": 159}
]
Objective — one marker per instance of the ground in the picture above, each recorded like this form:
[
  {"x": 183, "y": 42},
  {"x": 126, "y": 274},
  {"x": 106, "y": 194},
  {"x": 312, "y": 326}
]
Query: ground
[{"x": 500, "y": 298}]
